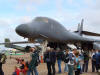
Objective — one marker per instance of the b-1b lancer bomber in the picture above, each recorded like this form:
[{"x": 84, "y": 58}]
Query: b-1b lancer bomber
[
  {"x": 52, "y": 31},
  {"x": 44, "y": 28}
]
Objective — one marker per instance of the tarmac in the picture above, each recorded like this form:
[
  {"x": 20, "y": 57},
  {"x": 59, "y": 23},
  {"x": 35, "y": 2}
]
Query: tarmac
[{"x": 8, "y": 67}]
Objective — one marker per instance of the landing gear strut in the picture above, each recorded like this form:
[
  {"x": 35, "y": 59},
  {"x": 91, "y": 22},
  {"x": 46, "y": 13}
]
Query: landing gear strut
[{"x": 44, "y": 46}]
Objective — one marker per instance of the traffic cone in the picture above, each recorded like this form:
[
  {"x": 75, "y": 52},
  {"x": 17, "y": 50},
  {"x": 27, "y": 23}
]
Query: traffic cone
[{"x": 41, "y": 59}]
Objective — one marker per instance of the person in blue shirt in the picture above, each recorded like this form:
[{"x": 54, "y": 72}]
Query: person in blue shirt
[
  {"x": 77, "y": 63},
  {"x": 93, "y": 60},
  {"x": 98, "y": 60}
]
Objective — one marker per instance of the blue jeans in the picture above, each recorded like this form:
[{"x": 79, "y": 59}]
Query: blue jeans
[
  {"x": 66, "y": 67},
  {"x": 94, "y": 66},
  {"x": 14, "y": 73},
  {"x": 81, "y": 68},
  {"x": 31, "y": 72},
  {"x": 59, "y": 66},
  {"x": 70, "y": 69},
  {"x": 85, "y": 66}
]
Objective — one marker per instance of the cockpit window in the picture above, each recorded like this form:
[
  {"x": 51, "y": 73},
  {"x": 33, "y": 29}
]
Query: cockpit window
[{"x": 41, "y": 20}]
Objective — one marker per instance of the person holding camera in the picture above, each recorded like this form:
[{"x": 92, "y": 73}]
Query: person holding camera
[{"x": 33, "y": 62}]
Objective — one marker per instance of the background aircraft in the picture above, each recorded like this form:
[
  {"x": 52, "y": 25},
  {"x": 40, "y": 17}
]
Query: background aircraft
[
  {"x": 8, "y": 44},
  {"x": 57, "y": 36}
]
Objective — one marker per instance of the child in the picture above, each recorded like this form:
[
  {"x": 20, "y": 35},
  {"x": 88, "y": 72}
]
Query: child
[{"x": 17, "y": 71}]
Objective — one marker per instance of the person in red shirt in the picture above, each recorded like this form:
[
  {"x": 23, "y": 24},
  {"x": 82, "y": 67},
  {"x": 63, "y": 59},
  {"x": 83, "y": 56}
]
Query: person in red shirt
[{"x": 17, "y": 71}]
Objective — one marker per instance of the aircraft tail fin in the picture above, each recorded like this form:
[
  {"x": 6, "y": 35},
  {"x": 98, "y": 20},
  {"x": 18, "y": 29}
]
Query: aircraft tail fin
[
  {"x": 7, "y": 41},
  {"x": 80, "y": 30},
  {"x": 80, "y": 27}
]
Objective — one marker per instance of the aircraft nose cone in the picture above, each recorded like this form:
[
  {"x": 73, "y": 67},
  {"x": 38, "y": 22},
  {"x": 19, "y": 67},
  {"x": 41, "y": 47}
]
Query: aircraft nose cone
[{"x": 23, "y": 30}]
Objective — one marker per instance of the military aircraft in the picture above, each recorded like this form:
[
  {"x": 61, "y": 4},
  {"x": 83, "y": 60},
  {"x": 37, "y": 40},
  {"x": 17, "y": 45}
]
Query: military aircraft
[
  {"x": 9, "y": 45},
  {"x": 54, "y": 33}
]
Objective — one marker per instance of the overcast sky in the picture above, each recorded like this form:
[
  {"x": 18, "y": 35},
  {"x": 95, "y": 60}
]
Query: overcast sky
[{"x": 67, "y": 12}]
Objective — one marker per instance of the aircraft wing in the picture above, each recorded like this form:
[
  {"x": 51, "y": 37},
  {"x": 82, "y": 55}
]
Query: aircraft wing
[
  {"x": 89, "y": 33},
  {"x": 7, "y": 41},
  {"x": 15, "y": 42}
]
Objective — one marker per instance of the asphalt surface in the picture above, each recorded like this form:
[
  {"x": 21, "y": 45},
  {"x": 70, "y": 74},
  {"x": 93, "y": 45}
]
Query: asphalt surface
[{"x": 42, "y": 69}]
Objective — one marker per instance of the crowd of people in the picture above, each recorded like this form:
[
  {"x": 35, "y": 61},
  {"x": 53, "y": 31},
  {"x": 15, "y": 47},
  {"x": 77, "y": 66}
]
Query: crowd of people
[
  {"x": 71, "y": 58},
  {"x": 76, "y": 62}
]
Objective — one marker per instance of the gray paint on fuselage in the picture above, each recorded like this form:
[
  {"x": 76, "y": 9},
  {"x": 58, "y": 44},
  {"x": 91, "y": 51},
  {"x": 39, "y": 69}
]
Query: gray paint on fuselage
[{"x": 51, "y": 29}]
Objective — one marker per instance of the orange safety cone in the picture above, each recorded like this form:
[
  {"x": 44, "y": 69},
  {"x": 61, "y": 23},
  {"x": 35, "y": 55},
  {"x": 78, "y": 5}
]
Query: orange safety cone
[{"x": 41, "y": 59}]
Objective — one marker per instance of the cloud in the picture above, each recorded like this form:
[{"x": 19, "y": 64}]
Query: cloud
[
  {"x": 23, "y": 19},
  {"x": 89, "y": 10},
  {"x": 38, "y": 2},
  {"x": 91, "y": 16},
  {"x": 97, "y": 4},
  {"x": 29, "y": 5},
  {"x": 7, "y": 27},
  {"x": 89, "y": 2},
  {"x": 73, "y": 3},
  {"x": 6, "y": 30}
]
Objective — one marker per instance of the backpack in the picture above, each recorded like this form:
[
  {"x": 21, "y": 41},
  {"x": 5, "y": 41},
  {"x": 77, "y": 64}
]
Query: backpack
[
  {"x": 86, "y": 56},
  {"x": 71, "y": 58},
  {"x": 63, "y": 56},
  {"x": 37, "y": 60},
  {"x": 66, "y": 58}
]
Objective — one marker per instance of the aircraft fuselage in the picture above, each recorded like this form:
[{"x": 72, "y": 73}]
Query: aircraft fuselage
[{"x": 51, "y": 30}]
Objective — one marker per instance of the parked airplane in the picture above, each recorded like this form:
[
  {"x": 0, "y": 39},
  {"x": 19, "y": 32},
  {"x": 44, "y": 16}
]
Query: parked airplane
[
  {"x": 57, "y": 36},
  {"x": 52, "y": 31},
  {"x": 9, "y": 44}
]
